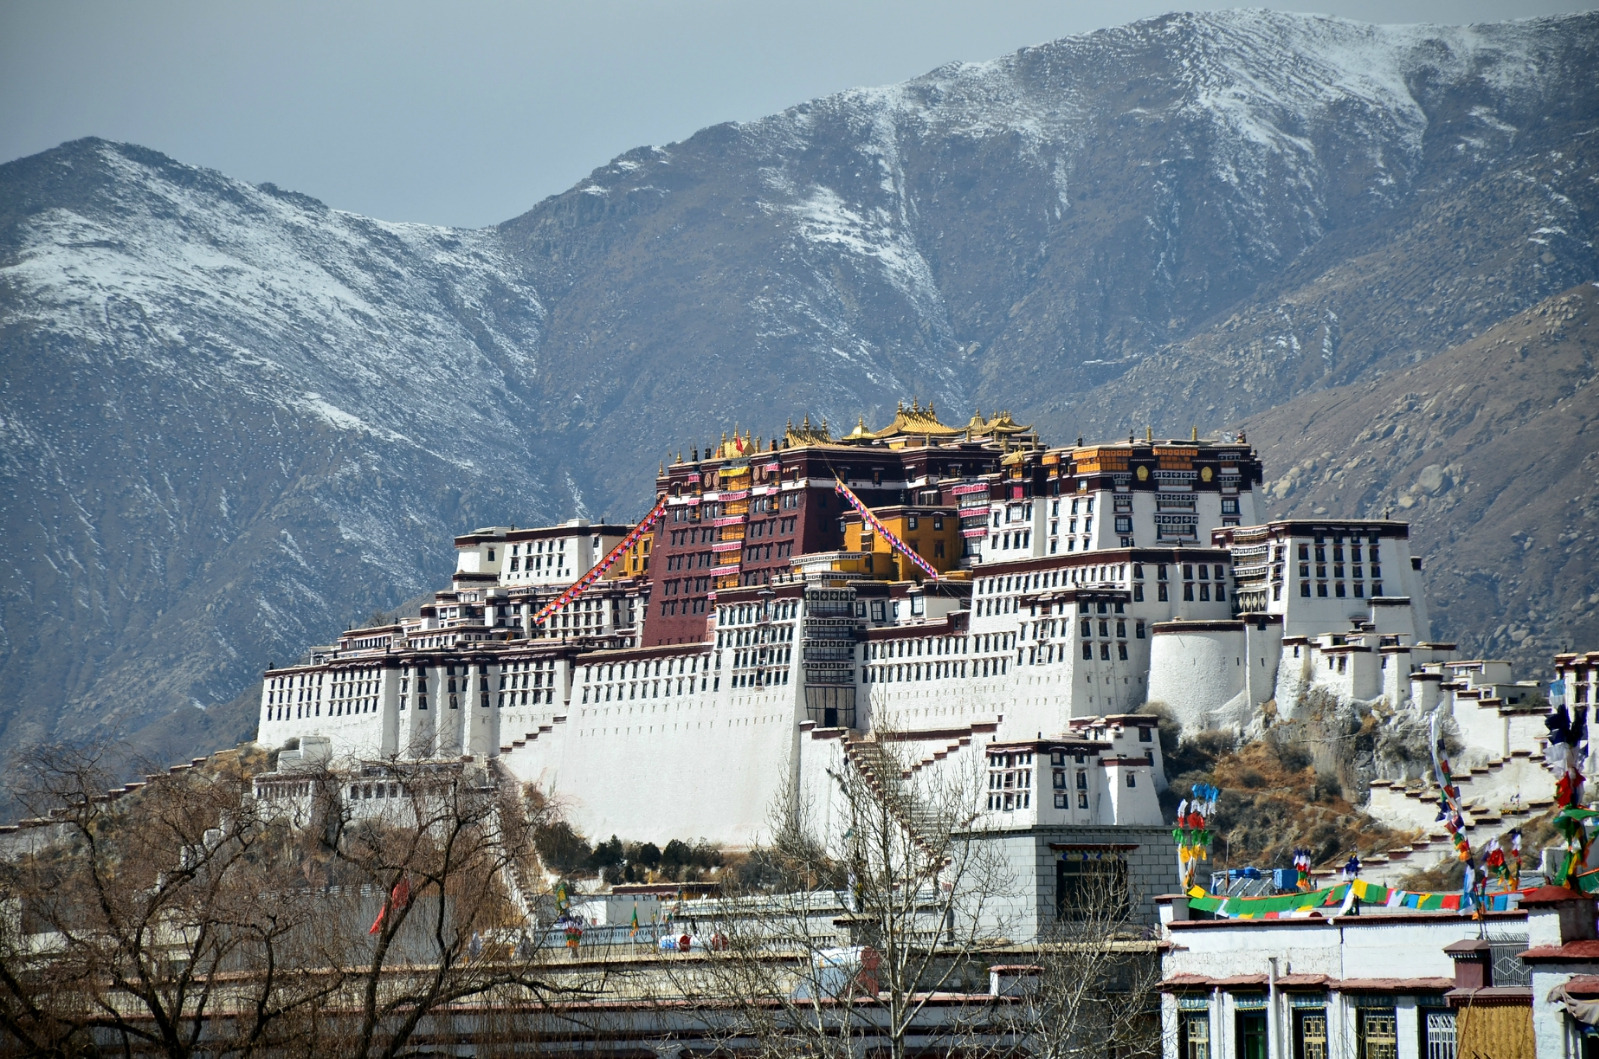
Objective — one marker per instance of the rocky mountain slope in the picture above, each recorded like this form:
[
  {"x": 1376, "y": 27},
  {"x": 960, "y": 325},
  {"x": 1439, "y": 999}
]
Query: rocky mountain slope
[
  {"x": 1491, "y": 450},
  {"x": 235, "y": 418}
]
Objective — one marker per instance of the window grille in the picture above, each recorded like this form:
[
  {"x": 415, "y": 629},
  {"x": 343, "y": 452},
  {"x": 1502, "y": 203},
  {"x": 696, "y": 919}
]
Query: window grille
[
  {"x": 1195, "y": 1036},
  {"x": 1379, "y": 1035},
  {"x": 1508, "y": 970},
  {"x": 1438, "y": 1028},
  {"x": 1312, "y": 1035}
]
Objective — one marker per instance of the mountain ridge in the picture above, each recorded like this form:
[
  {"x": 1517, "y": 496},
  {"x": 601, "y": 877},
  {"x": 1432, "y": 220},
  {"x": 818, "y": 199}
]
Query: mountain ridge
[{"x": 236, "y": 418}]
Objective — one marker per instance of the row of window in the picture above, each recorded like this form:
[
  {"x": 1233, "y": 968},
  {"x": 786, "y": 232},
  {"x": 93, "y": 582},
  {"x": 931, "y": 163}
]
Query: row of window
[
  {"x": 911, "y": 671},
  {"x": 649, "y": 689},
  {"x": 980, "y": 643},
  {"x": 1339, "y": 589},
  {"x": 1376, "y": 1031}
]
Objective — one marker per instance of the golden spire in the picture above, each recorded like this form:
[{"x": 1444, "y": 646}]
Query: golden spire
[
  {"x": 1149, "y": 433},
  {"x": 1196, "y": 433}
]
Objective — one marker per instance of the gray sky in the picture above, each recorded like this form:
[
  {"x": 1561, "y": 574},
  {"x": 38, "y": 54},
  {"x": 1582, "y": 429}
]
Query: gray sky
[{"x": 468, "y": 113}]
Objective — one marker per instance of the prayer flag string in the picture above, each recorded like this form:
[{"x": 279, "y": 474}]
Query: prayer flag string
[
  {"x": 883, "y": 531},
  {"x": 598, "y": 570}
]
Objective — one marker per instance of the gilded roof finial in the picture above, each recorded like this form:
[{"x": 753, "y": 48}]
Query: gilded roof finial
[
  {"x": 899, "y": 408},
  {"x": 1196, "y": 434},
  {"x": 929, "y": 406},
  {"x": 1149, "y": 433}
]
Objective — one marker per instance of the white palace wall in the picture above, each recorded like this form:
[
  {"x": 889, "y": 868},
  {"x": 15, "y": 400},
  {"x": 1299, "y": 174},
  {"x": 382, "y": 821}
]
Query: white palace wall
[{"x": 705, "y": 740}]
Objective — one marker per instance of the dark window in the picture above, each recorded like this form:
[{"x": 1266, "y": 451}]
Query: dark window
[
  {"x": 1087, "y": 888},
  {"x": 1377, "y": 1033},
  {"x": 1193, "y": 1035},
  {"x": 1252, "y": 1037}
]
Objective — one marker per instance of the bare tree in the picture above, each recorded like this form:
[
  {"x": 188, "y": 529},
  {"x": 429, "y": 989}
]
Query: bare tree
[
  {"x": 149, "y": 921},
  {"x": 872, "y": 928},
  {"x": 191, "y": 918},
  {"x": 1096, "y": 991},
  {"x": 424, "y": 893}
]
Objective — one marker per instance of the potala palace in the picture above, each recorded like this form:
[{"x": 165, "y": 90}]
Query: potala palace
[{"x": 764, "y": 632}]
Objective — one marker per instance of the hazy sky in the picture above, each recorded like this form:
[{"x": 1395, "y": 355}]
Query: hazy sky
[{"x": 469, "y": 113}]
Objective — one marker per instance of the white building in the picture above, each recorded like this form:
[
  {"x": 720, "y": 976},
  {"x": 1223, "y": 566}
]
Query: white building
[
  {"x": 1408, "y": 985},
  {"x": 1095, "y": 580}
]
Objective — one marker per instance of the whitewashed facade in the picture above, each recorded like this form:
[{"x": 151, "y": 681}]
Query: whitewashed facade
[{"x": 1119, "y": 590}]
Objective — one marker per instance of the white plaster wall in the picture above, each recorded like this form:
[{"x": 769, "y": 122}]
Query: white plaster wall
[
  {"x": 1397, "y": 619},
  {"x": 1482, "y": 728},
  {"x": 1263, "y": 649},
  {"x": 1138, "y": 804},
  {"x": 1396, "y": 678},
  {"x": 1196, "y": 673},
  {"x": 675, "y": 766},
  {"x": 1293, "y": 677}
]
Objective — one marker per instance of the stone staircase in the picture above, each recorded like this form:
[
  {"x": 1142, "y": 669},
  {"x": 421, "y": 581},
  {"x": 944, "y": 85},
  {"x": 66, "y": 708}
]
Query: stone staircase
[
  {"x": 1491, "y": 796},
  {"x": 953, "y": 743},
  {"x": 509, "y": 811},
  {"x": 885, "y": 778},
  {"x": 543, "y": 729}
]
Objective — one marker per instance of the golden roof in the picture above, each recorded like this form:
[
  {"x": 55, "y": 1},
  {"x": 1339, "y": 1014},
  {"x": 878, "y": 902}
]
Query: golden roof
[
  {"x": 806, "y": 434},
  {"x": 736, "y": 446},
  {"x": 1000, "y": 424},
  {"x": 913, "y": 421}
]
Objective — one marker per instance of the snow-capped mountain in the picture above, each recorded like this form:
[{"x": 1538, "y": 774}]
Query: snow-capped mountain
[{"x": 235, "y": 419}]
